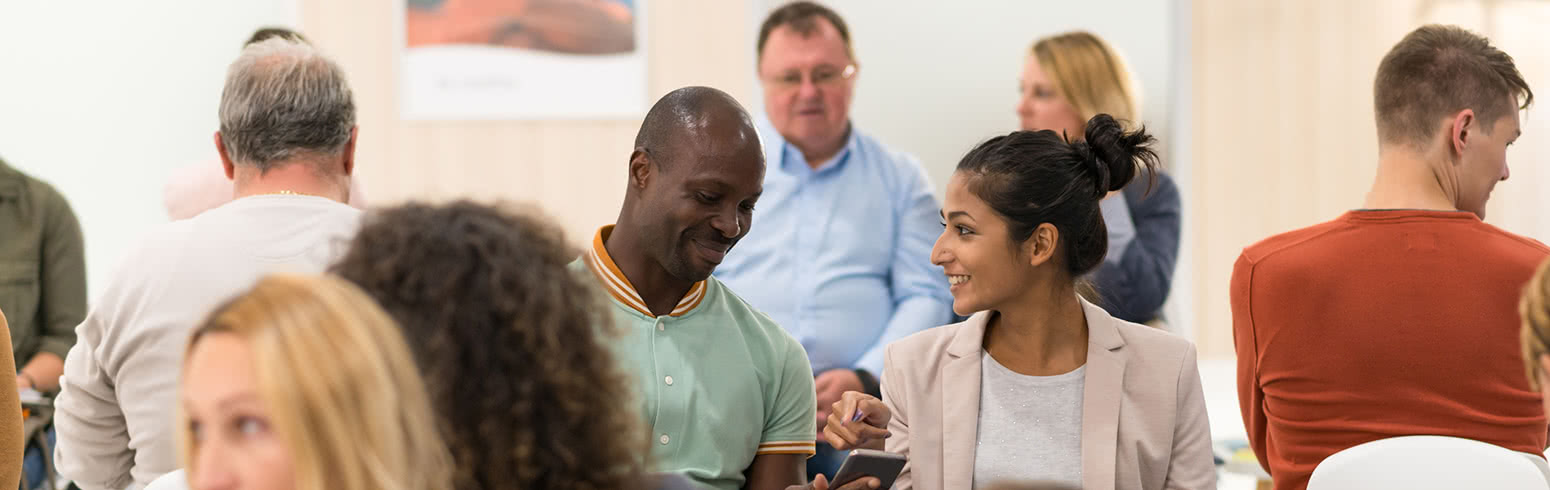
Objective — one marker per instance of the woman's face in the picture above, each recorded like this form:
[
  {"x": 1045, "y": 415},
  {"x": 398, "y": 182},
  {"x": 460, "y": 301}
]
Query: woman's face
[
  {"x": 984, "y": 267},
  {"x": 1041, "y": 105},
  {"x": 234, "y": 443}
]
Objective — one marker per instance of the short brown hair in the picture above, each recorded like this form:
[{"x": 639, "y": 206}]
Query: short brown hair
[
  {"x": 802, "y": 16},
  {"x": 1438, "y": 70}
]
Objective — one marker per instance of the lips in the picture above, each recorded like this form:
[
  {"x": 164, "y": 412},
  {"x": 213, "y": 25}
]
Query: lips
[{"x": 712, "y": 252}]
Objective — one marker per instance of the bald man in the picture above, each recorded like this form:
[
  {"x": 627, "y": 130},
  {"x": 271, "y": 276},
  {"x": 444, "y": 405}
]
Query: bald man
[{"x": 727, "y": 394}]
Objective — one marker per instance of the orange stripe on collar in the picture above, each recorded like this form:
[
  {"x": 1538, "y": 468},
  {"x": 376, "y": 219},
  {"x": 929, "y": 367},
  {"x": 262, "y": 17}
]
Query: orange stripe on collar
[{"x": 619, "y": 287}]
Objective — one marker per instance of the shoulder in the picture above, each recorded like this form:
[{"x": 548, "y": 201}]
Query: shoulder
[
  {"x": 1519, "y": 244},
  {"x": 927, "y": 349},
  {"x": 903, "y": 166},
  {"x": 1154, "y": 345},
  {"x": 1152, "y": 188},
  {"x": 1280, "y": 244},
  {"x": 756, "y": 326}
]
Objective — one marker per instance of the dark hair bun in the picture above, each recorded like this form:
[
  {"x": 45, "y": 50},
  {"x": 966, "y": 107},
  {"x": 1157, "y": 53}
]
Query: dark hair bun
[{"x": 1113, "y": 155}]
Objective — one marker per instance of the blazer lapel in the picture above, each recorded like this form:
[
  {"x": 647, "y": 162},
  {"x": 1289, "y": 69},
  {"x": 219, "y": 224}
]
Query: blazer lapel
[
  {"x": 1101, "y": 395},
  {"x": 961, "y": 403}
]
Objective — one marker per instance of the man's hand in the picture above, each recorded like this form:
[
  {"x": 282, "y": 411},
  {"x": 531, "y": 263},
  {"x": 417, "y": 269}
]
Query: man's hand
[
  {"x": 831, "y": 385},
  {"x": 845, "y": 432},
  {"x": 822, "y": 483}
]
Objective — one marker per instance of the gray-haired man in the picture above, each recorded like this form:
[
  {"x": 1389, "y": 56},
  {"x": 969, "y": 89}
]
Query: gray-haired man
[{"x": 287, "y": 140}]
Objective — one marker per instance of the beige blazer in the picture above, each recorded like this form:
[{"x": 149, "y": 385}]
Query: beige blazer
[{"x": 1143, "y": 414}]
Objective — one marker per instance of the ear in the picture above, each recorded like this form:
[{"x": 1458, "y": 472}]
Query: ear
[
  {"x": 1463, "y": 130},
  {"x": 349, "y": 152},
  {"x": 640, "y": 168},
  {"x": 1041, "y": 245},
  {"x": 220, "y": 147}
]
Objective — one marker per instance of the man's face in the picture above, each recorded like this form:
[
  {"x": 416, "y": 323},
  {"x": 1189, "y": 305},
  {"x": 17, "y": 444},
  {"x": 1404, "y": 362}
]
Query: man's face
[
  {"x": 700, "y": 199},
  {"x": 1483, "y": 163},
  {"x": 808, "y": 82}
]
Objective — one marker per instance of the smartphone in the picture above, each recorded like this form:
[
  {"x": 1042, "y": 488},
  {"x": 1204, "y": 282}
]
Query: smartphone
[{"x": 862, "y": 463}]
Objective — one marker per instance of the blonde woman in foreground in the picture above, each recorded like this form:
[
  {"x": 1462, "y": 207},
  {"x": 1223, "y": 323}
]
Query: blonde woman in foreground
[{"x": 304, "y": 383}]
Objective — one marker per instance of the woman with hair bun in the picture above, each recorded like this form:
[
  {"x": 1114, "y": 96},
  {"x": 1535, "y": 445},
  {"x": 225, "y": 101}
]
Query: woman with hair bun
[{"x": 1039, "y": 384}]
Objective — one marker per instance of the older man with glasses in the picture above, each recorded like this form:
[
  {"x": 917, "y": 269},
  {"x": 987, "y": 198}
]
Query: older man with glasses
[{"x": 841, "y": 256}]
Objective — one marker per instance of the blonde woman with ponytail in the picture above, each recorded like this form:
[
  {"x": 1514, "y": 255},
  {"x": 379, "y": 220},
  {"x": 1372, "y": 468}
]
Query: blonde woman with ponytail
[
  {"x": 1068, "y": 79},
  {"x": 304, "y": 383}
]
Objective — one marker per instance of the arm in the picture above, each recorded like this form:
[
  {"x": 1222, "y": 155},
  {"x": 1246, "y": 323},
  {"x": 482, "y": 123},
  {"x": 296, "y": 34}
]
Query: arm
[
  {"x": 1191, "y": 465},
  {"x": 1135, "y": 287},
  {"x": 64, "y": 294},
  {"x": 1251, "y": 398},
  {"x": 93, "y": 448},
  {"x": 899, "y": 427},
  {"x": 920, "y": 296},
  {"x": 10, "y": 420},
  {"x": 789, "y": 431}
]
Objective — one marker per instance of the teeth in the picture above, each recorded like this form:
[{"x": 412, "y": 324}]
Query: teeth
[{"x": 956, "y": 280}]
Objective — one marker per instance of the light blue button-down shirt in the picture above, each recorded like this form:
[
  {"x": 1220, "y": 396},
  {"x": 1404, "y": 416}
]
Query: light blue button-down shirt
[{"x": 840, "y": 256}]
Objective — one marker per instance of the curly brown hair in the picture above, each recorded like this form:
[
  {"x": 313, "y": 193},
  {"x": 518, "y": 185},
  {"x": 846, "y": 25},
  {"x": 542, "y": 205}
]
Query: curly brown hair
[{"x": 511, "y": 343}]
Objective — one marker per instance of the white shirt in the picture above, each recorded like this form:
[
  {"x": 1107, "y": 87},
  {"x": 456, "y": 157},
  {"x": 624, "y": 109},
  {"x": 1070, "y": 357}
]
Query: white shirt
[
  {"x": 1030, "y": 427},
  {"x": 115, "y": 409}
]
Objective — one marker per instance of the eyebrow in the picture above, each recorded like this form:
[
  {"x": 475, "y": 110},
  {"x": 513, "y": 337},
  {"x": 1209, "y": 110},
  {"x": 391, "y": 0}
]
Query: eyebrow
[{"x": 955, "y": 214}]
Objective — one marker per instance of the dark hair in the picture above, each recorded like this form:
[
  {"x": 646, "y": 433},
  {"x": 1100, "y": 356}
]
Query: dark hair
[
  {"x": 511, "y": 343},
  {"x": 802, "y": 16},
  {"x": 1436, "y": 71},
  {"x": 1035, "y": 177},
  {"x": 280, "y": 32}
]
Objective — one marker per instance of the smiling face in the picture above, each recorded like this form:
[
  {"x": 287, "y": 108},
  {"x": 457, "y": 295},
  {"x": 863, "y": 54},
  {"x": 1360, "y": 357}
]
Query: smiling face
[
  {"x": 985, "y": 267},
  {"x": 234, "y": 445},
  {"x": 699, "y": 195}
]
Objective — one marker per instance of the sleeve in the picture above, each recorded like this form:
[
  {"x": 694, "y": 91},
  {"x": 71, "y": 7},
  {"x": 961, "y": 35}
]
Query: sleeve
[
  {"x": 1251, "y": 398},
  {"x": 10, "y": 418},
  {"x": 93, "y": 446},
  {"x": 899, "y": 426},
  {"x": 1135, "y": 287},
  {"x": 920, "y": 296},
  {"x": 64, "y": 278},
  {"x": 788, "y": 426},
  {"x": 1192, "y": 464}
]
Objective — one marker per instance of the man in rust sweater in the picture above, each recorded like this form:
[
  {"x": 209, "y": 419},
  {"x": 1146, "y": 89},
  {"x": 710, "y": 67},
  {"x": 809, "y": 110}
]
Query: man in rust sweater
[{"x": 1398, "y": 318}]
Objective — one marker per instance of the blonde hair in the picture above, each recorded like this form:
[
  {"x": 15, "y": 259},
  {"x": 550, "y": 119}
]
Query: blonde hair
[
  {"x": 342, "y": 387},
  {"x": 1534, "y": 308},
  {"x": 1091, "y": 75}
]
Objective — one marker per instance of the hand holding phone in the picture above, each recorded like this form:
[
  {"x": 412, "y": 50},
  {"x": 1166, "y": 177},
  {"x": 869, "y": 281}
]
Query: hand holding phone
[{"x": 862, "y": 463}]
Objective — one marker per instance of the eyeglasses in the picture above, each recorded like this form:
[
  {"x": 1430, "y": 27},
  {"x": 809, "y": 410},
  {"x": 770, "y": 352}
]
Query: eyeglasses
[{"x": 823, "y": 77}]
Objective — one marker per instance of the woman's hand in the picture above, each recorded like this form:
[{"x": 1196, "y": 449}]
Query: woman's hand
[{"x": 858, "y": 420}]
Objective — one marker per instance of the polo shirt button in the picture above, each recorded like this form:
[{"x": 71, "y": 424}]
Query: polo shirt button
[
  {"x": 669, "y": 380},
  {"x": 664, "y": 439}
]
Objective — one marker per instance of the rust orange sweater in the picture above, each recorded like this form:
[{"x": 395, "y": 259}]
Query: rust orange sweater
[{"x": 1382, "y": 324}]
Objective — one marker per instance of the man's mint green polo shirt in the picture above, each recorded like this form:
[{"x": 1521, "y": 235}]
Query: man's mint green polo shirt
[{"x": 719, "y": 382}]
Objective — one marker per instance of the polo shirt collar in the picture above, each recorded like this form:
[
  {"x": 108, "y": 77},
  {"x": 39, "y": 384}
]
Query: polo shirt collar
[{"x": 619, "y": 286}]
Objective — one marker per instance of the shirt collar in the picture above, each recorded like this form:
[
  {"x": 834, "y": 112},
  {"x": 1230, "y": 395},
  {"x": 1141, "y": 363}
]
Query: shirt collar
[
  {"x": 789, "y": 159},
  {"x": 619, "y": 286}
]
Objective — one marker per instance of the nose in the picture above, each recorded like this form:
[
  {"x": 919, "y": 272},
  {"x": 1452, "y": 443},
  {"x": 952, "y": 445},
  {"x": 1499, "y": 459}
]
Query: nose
[
  {"x": 1506, "y": 172},
  {"x": 211, "y": 471},
  {"x": 940, "y": 256},
  {"x": 1024, "y": 106},
  {"x": 728, "y": 224},
  {"x": 808, "y": 90}
]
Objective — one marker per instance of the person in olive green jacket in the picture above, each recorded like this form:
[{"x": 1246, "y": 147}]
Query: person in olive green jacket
[
  {"x": 42, "y": 287},
  {"x": 42, "y": 277}
]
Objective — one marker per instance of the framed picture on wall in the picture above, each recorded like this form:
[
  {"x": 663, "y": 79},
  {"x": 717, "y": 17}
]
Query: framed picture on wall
[{"x": 522, "y": 59}]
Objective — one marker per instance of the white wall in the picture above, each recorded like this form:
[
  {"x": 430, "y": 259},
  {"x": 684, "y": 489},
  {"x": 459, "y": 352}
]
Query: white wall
[
  {"x": 939, "y": 77},
  {"x": 103, "y": 100}
]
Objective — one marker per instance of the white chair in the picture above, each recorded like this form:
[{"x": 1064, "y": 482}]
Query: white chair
[
  {"x": 170, "y": 481},
  {"x": 1428, "y": 462}
]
